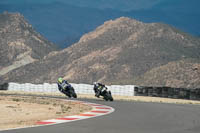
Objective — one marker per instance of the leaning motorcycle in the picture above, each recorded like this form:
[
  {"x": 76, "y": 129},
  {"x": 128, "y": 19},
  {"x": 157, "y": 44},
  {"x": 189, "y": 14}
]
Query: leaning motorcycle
[
  {"x": 69, "y": 91},
  {"x": 106, "y": 94}
]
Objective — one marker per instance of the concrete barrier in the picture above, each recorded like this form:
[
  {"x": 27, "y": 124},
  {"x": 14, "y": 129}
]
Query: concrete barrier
[
  {"x": 168, "y": 92},
  {"x": 125, "y": 90},
  {"x": 4, "y": 86}
]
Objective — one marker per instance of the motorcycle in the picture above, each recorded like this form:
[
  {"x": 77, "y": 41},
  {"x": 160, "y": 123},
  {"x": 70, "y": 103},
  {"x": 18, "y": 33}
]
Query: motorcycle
[
  {"x": 69, "y": 91},
  {"x": 106, "y": 94}
]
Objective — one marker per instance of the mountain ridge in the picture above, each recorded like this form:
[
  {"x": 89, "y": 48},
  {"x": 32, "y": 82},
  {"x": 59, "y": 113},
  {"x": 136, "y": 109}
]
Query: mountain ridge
[
  {"x": 119, "y": 49},
  {"x": 20, "y": 43}
]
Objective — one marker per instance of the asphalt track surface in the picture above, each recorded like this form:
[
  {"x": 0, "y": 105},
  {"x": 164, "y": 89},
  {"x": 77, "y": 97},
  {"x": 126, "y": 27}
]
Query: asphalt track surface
[{"x": 130, "y": 117}]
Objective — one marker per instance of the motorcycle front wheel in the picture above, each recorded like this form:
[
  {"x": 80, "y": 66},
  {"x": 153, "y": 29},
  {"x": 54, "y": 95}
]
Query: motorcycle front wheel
[
  {"x": 73, "y": 94},
  {"x": 108, "y": 96}
]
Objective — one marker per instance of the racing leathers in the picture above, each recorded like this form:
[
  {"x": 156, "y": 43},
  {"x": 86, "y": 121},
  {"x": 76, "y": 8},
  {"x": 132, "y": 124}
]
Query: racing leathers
[
  {"x": 64, "y": 87},
  {"x": 98, "y": 87}
]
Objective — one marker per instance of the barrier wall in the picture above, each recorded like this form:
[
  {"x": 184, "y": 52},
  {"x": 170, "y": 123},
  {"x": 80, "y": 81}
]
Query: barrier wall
[
  {"x": 126, "y": 90},
  {"x": 4, "y": 86},
  {"x": 168, "y": 92}
]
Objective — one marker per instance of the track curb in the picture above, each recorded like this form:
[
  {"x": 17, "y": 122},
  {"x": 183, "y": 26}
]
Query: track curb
[{"x": 97, "y": 110}]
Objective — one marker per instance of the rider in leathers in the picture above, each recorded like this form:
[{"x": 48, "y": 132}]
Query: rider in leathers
[
  {"x": 98, "y": 87},
  {"x": 63, "y": 86}
]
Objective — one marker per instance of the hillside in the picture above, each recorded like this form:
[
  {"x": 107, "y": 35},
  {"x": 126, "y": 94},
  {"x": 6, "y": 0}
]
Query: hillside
[
  {"x": 184, "y": 73},
  {"x": 19, "y": 43},
  {"x": 119, "y": 49}
]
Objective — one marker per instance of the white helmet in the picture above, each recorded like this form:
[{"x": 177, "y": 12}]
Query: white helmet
[{"x": 94, "y": 83}]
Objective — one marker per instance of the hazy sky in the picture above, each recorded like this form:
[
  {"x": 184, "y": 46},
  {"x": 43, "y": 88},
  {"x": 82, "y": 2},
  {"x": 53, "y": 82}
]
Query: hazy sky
[{"x": 59, "y": 20}]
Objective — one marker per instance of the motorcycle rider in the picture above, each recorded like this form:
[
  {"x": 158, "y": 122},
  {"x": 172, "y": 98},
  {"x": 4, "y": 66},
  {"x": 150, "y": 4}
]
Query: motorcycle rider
[
  {"x": 98, "y": 87},
  {"x": 63, "y": 86}
]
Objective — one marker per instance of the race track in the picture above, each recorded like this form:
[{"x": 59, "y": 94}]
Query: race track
[{"x": 130, "y": 117}]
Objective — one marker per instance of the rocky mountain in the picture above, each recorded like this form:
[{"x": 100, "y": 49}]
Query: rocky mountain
[
  {"x": 20, "y": 44},
  {"x": 184, "y": 73},
  {"x": 117, "y": 52}
]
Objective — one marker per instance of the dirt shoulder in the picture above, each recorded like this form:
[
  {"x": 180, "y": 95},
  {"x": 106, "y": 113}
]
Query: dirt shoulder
[
  {"x": 21, "y": 111},
  {"x": 148, "y": 99},
  {"x": 26, "y": 111},
  {"x": 124, "y": 98}
]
